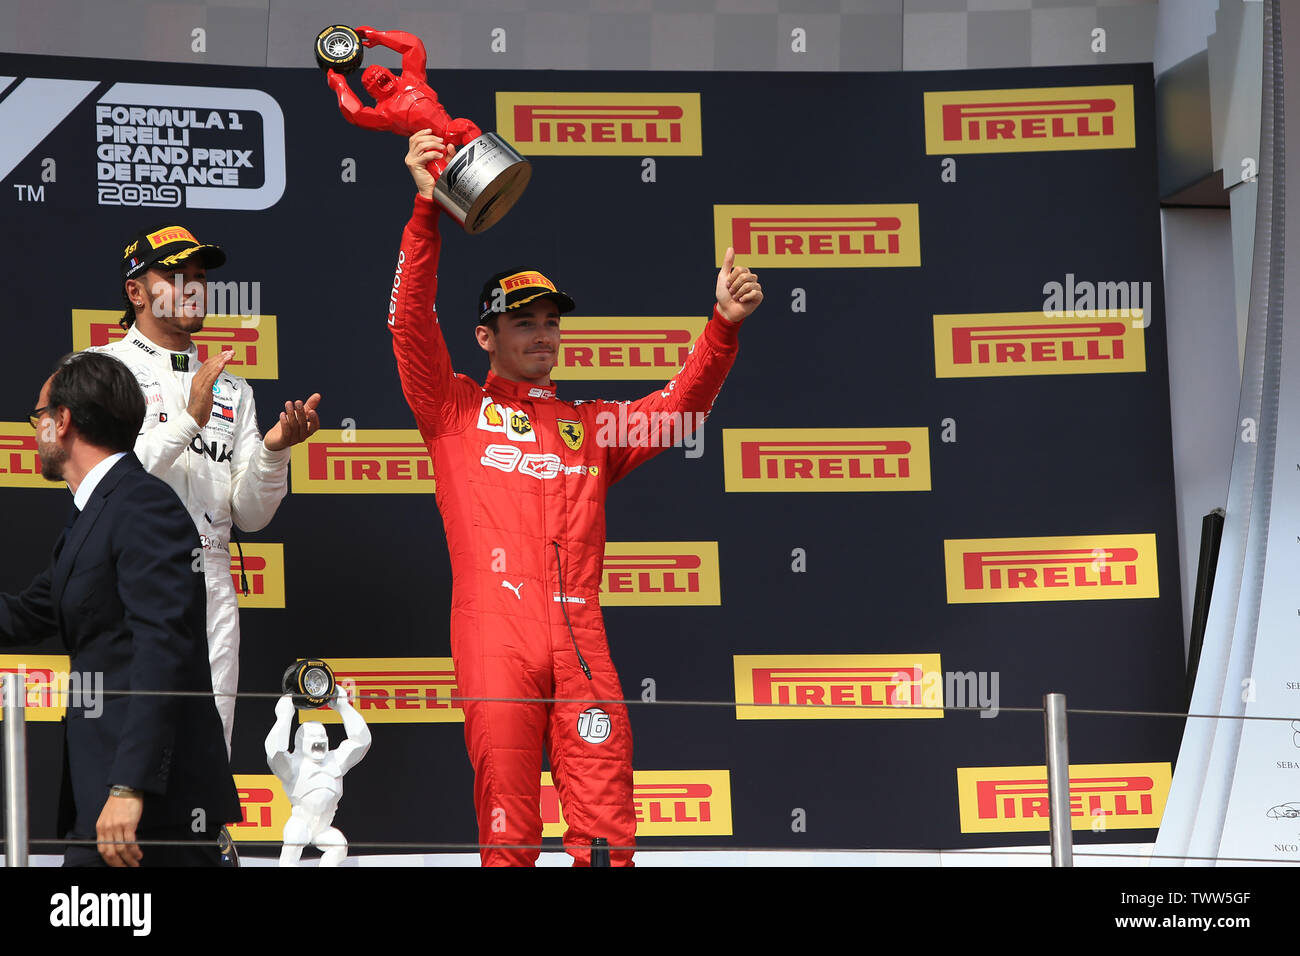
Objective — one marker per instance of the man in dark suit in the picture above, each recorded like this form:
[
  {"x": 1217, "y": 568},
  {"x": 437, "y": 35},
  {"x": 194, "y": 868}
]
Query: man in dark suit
[{"x": 125, "y": 593}]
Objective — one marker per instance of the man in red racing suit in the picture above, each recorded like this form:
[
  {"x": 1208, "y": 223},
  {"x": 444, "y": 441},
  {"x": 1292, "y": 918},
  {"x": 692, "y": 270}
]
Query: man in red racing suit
[{"x": 521, "y": 482}]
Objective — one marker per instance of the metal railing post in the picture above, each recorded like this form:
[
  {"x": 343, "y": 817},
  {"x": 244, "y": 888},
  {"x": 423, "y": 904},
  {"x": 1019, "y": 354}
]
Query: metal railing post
[
  {"x": 1058, "y": 778},
  {"x": 13, "y": 694}
]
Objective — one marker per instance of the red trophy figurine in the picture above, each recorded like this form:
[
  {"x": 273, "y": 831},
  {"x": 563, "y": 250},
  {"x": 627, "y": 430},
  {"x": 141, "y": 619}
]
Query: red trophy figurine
[{"x": 485, "y": 176}]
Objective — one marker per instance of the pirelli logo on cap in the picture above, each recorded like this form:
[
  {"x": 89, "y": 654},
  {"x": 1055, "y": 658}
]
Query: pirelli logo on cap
[
  {"x": 826, "y": 459},
  {"x": 525, "y": 280},
  {"x": 1035, "y": 120},
  {"x": 990, "y": 344},
  {"x": 1125, "y": 796},
  {"x": 46, "y": 679},
  {"x": 373, "y": 461},
  {"x": 253, "y": 339},
  {"x": 20, "y": 463},
  {"x": 666, "y": 803},
  {"x": 819, "y": 237},
  {"x": 837, "y": 686},
  {"x": 170, "y": 234},
  {"x": 625, "y": 348},
  {"x": 397, "y": 690},
  {"x": 263, "y": 806},
  {"x": 601, "y": 124},
  {"x": 660, "y": 573},
  {"x": 1077, "y": 568},
  {"x": 262, "y": 565}
]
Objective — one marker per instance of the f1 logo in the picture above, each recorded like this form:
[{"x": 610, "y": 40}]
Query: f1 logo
[
  {"x": 453, "y": 173},
  {"x": 32, "y": 111}
]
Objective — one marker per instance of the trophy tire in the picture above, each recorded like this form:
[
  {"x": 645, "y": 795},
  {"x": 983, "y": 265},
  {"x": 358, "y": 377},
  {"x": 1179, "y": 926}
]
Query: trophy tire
[
  {"x": 294, "y": 684},
  {"x": 339, "y": 48}
]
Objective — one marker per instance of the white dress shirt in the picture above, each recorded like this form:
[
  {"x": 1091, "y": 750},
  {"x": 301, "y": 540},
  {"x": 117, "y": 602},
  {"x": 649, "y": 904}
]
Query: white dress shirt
[{"x": 92, "y": 479}]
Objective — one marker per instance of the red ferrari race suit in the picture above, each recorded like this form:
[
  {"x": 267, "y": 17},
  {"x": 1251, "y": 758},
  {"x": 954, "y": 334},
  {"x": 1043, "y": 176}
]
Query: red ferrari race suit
[{"x": 521, "y": 483}]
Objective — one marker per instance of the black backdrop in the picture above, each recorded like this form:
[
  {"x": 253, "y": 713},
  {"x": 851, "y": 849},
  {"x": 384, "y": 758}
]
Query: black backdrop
[{"x": 1035, "y": 456}]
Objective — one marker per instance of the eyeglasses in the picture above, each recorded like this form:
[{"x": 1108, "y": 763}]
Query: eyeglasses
[{"x": 35, "y": 416}]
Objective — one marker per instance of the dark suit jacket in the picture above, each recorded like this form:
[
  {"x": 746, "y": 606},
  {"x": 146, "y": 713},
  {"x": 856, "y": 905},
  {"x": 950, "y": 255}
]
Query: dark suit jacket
[{"x": 122, "y": 592}]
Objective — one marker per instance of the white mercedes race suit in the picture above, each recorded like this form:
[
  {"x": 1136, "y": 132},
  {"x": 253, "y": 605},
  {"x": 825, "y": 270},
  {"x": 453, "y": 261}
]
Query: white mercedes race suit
[{"x": 220, "y": 470}]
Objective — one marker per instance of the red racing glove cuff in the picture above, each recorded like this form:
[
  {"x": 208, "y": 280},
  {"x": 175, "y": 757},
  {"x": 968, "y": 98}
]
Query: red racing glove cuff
[
  {"x": 723, "y": 335},
  {"x": 424, "y": 217}
]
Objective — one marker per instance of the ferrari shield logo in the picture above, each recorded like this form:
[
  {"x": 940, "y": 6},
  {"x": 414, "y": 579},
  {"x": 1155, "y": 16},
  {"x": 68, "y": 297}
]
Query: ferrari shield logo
[{"x": 571, "y": 432}]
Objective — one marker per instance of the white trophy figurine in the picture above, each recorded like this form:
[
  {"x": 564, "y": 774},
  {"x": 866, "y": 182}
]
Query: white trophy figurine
[{"x": 313, "y": 777}]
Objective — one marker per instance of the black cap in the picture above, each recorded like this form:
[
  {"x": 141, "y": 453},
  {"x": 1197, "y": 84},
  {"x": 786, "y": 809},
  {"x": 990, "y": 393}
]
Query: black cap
[
  {"x": 167, "y": 246},
  {"x": 517, "y": 288}
]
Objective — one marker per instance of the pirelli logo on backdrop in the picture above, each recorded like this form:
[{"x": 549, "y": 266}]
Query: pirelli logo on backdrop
[
  {"x": 252, "y": 338},
  {"x": 370, "y": 461},
  {"x": 263, "y": 568},
  {"x": 836, "y": 686},
  {"x": 819, "y": 237},
  {"x": 989, "y": 344},
  {"x": 625, "y": 348},
  {"x": 46, "y": 679},
  {"x": 601, "y": 124},
  {"x": 666, "y": 803},
  {"x": 1034, "y": 120},
  {"x": 264, "y": 808},
  {"x": 20, "y": 463},
  {"x": 826, "y": 459},
  {"x": 660, "y": 573},
  {"x": 1077, "y": 568},
  {"x": 1125, "y": 796},
  {"x": 397, "y": 690}
]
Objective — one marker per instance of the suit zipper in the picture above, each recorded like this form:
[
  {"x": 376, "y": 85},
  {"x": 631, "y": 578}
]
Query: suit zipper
[{"x": 559, "y": 569}]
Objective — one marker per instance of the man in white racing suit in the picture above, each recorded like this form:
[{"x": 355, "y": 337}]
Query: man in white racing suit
[{"x": 200, "y": 431}]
